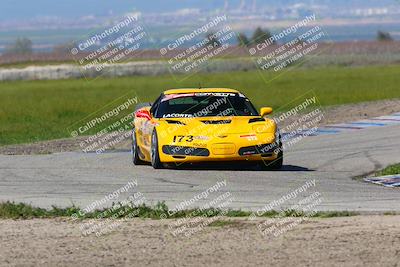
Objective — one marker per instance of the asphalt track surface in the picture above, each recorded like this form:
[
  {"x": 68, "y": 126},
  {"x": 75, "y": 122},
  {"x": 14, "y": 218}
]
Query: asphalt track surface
[{"x": 332, "y": 160}]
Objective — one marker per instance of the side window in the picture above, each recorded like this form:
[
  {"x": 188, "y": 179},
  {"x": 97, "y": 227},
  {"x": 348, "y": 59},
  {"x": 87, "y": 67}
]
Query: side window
[{"x": 154, "y": 107}]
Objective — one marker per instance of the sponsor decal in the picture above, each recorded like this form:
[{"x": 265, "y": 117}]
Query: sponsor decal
[
  {"x": 215, "y": 94},
  {"x": 177, "y": 115},
  {"x": 249, "y": 137}
]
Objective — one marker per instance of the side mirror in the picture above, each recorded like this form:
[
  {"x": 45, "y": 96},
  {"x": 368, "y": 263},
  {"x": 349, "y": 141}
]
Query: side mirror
[
  {"x": 143, "y": 113},
  {"x": 265, "y": 111}
]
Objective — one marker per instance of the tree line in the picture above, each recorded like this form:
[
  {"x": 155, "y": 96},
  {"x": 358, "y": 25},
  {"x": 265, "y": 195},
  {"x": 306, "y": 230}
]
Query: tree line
[{"x": 24, "y": 46}]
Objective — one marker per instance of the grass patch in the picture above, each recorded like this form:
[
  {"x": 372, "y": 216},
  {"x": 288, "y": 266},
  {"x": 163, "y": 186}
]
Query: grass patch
[
  {"x": 11, "y": 210},
  {"x": 332, "y": 214},
  {"x": 43, "y": 110},
  {"x": 390, "y": 213},
  {"x": 390, "y": 170},
  {"x": 222, "y": 223}
]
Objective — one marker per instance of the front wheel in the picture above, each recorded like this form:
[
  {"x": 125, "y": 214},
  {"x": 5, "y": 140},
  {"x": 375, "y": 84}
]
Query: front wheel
[
  {"x": 276, "y": 164},
  {"x": 155, "y": 156},
  {"x": 135, "y": 150}
]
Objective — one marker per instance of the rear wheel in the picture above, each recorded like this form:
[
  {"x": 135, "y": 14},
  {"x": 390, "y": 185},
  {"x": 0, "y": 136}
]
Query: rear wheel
[
  {"x": 155, "y": 156},
  {"x": 135, "y": 150}
]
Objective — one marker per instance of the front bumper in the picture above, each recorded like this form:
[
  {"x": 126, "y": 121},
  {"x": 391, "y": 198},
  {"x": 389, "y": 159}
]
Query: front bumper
[{"x": 230, "y": 148}]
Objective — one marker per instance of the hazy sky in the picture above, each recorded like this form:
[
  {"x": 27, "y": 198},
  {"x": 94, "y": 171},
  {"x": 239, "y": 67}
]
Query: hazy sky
[
  {"x": 23, "y": 9},
  {"x": 74, "y": 8}
]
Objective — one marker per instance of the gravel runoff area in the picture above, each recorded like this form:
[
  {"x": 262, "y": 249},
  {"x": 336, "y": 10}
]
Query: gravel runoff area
[
  {"x": 333, "y": 114},
  {"x": 347, "y": 241}
]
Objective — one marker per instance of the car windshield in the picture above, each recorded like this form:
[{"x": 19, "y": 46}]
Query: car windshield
[{"x": 204, "y": 105}]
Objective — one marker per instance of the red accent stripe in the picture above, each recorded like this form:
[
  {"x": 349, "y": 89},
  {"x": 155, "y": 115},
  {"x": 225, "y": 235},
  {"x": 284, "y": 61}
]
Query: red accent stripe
[{"x": 248, "y": 135}]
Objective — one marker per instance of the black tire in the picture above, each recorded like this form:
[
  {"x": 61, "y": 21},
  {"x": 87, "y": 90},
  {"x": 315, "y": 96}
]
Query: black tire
[
  {"x": 276, "y": 164},
  {"x": 155, "y": 156},
  {"x": 135, "y": 150}
]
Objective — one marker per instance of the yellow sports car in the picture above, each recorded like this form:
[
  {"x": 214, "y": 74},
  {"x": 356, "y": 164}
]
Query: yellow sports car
[{"x": 204, "y": 125}]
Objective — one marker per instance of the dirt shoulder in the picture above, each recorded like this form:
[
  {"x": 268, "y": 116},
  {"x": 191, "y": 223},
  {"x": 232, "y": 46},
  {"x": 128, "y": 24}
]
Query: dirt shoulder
[
  {"x": 346, "y": 241},
  {"x": 333, "y": 114}
]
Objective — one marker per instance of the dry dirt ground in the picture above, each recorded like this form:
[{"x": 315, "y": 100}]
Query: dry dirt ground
[
  {"x": 333, "y": 114},
  {"x": 368, "y": 240}
]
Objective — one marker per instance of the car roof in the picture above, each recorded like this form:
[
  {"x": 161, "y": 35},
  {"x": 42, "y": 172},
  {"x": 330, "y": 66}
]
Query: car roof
[{"x": 201, "y": 90}]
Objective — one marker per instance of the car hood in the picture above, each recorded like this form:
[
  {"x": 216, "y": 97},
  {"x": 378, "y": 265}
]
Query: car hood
[{"x": 221, "y": 125}]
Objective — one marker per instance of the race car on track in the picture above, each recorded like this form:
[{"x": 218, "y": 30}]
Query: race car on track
[{"x": 204, "y": 125}]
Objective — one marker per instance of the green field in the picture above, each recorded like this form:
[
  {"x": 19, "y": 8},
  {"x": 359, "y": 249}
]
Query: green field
[
  {"x": 390, "y": 170},
  {"x": 42, "y": 110}
]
